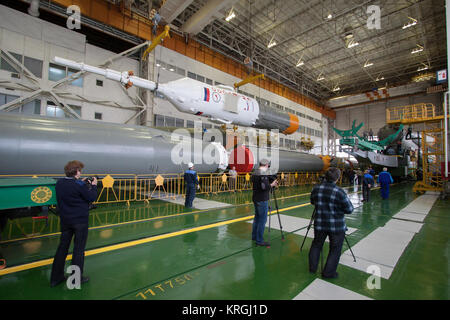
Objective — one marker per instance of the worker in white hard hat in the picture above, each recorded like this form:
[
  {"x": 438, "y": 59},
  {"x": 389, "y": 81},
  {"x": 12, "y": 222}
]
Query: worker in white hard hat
[{"x": 191, "y": 180}]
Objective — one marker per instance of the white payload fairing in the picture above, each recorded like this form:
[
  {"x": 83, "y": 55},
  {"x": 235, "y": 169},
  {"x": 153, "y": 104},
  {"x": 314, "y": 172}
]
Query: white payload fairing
[{"x": 221, "y": 104}]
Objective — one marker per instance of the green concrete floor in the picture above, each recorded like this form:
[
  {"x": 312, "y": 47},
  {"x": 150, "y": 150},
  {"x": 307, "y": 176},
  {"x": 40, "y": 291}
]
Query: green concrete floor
[{"x": 172, "y": 253}]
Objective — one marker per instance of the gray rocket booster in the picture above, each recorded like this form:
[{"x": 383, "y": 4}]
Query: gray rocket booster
[{"x": 43, "y": 145}]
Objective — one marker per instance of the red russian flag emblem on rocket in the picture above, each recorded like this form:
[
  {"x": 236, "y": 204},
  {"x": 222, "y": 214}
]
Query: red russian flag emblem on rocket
[{"x": 207, "y": 94}]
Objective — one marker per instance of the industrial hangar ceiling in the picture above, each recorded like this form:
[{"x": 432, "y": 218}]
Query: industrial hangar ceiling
[{"x": 322, "y": 48}]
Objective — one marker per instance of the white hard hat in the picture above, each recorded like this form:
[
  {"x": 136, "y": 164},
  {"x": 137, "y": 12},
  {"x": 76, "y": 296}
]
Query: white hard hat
[{"x": 190, "y": 164}]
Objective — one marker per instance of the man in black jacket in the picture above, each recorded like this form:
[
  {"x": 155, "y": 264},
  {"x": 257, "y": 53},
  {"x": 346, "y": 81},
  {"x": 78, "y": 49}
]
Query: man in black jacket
[
  {"x": 73, "y": 196},
  {"x": 368, "y": 182},
  {"x": 262, "y": 184}
]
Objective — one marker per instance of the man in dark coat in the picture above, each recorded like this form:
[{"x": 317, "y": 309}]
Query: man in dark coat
[{"x": 367, "y": 183}]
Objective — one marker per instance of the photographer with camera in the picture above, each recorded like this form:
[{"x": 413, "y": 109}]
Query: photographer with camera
[
  {"x": 73, "y": 196},
  {"x": 331, "y": 204},
  {"x": 262, "y": 184}
]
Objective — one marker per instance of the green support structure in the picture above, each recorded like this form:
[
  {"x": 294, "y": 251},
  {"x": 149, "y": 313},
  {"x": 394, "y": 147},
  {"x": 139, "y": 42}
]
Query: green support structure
[
  {"x": 351, "y": 138},
  {"x": 27, "y": 192}
]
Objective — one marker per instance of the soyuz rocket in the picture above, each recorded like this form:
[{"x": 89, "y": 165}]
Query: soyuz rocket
[
  {"x": 31, "y": 144},
  {"x": 43, "y": 145},
  {"x": 221, "y": 104}
]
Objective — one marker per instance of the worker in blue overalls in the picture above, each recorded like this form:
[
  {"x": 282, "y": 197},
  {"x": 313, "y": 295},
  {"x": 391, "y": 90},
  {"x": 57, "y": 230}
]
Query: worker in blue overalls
[
  {"x": 385, "y": 179},
  {"x": 191, "y": 180}
]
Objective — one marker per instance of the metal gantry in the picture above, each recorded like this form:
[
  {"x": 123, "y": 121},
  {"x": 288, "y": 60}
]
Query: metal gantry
[
  {"x": 316, "y": 31},
  {"x": 54, "y": 92},
  {"x": 432, "y": 140}
]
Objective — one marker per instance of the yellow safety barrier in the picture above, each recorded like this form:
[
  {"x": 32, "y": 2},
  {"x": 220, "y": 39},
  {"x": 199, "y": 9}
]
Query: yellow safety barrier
[
  {"x": 115, "y": 188},
  {"x": 415, "y": 113}
]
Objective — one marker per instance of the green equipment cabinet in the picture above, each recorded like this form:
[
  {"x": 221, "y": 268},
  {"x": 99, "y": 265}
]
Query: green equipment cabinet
[{"x": 27, "y": 192}]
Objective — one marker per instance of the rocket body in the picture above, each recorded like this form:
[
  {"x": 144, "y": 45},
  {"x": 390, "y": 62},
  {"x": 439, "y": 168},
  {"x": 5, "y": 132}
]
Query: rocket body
[
  {"x": 221, "y": 104},
  {"x": 43, "y": 145}
]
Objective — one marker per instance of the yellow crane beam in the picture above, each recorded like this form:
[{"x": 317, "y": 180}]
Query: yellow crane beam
[
  {"x": 248, "y": 80},
  {"x": 156, "y": 41}
]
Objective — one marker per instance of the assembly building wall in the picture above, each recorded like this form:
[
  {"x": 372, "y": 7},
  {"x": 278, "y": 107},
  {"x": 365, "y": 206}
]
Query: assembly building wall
[
  {"x": 374, "y": 114},
  {"x": 37, "y": 42}
]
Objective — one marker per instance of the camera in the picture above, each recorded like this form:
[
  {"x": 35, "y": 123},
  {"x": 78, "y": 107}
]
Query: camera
[{"x": 89, "y": 180}]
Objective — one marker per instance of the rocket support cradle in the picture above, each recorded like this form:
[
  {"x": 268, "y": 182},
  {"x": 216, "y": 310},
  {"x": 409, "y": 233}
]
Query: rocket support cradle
[{"x": 43, "y": 145}]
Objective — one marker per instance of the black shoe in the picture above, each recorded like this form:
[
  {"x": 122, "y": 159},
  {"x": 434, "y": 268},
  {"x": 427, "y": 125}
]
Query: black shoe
[
  {"x": 330, "y": 277},
  {"x": 263, "y": 244},
  {"x": 55, "y": 283},
  {"x": 84, "y": 279}
]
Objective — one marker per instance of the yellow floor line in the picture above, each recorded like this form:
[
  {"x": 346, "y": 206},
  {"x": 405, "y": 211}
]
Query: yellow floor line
[
  {"x": 136, "y": 242},
  {"x": 134, "y": 221}
]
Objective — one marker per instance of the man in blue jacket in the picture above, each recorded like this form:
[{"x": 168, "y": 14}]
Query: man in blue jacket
[
  {"x": 385, "y": 179},
  {"x": 73, "y": 196},
  {"x": 367, "y": 183},
  {"x": 191, "y": 180}
]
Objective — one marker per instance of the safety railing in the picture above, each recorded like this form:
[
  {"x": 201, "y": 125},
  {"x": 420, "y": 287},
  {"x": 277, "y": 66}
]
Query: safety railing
[
  {"x": 414, "y": 113},
  {"x": 114, "y": 188}
]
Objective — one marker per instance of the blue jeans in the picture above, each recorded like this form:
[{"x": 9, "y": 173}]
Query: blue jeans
[
  {"x": 259, "y": 222},
  {"x": 190, "y": 195},
  {"x": 334, "y": 254}
]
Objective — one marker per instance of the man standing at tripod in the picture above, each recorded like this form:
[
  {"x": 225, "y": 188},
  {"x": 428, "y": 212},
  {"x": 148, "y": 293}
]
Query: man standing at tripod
[
  {"x": 262, "y": 184},
  {"x": 331, "y": 204}
]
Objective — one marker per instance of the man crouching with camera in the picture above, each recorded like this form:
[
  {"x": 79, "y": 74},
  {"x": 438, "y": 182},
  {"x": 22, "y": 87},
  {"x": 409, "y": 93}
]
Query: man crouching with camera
[
  {"x": 331, "y": 204},
  {"x": 262, "y": 184},
  {"x": 74, "y": 196}
]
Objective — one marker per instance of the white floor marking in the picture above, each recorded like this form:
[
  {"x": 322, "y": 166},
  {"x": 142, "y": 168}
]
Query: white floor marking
[
  {"x": 385, "y": 245},
  {"x": 198, "y": 203},
  {"x": 323, "y": 290}
]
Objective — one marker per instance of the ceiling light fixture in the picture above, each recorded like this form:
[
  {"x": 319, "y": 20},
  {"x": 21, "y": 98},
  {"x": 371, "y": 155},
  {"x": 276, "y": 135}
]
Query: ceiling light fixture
[
  {"x": 320, "y": 77},
  {"x": 380, "y": 77},
  {"x": 352, "y": 43},
  {"x": 330, "y": 16},
  {"x": 411, "y": 23},
  {"x": 272, "y": 42},
  {"x": 368, "y": 64},
  {"x": 300, "y": 61},
  {"x": 425, "y": 67},
  {"x": 418, "y": 49},
  {"x": 230, "y": 15},
  {"x": 336, "y": 88}
]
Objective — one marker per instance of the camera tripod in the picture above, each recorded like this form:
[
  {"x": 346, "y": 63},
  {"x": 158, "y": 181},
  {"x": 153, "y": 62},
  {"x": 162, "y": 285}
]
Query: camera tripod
[
  {"x": 272, "y": 191},
  {"x": 309, "y": 227}
]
